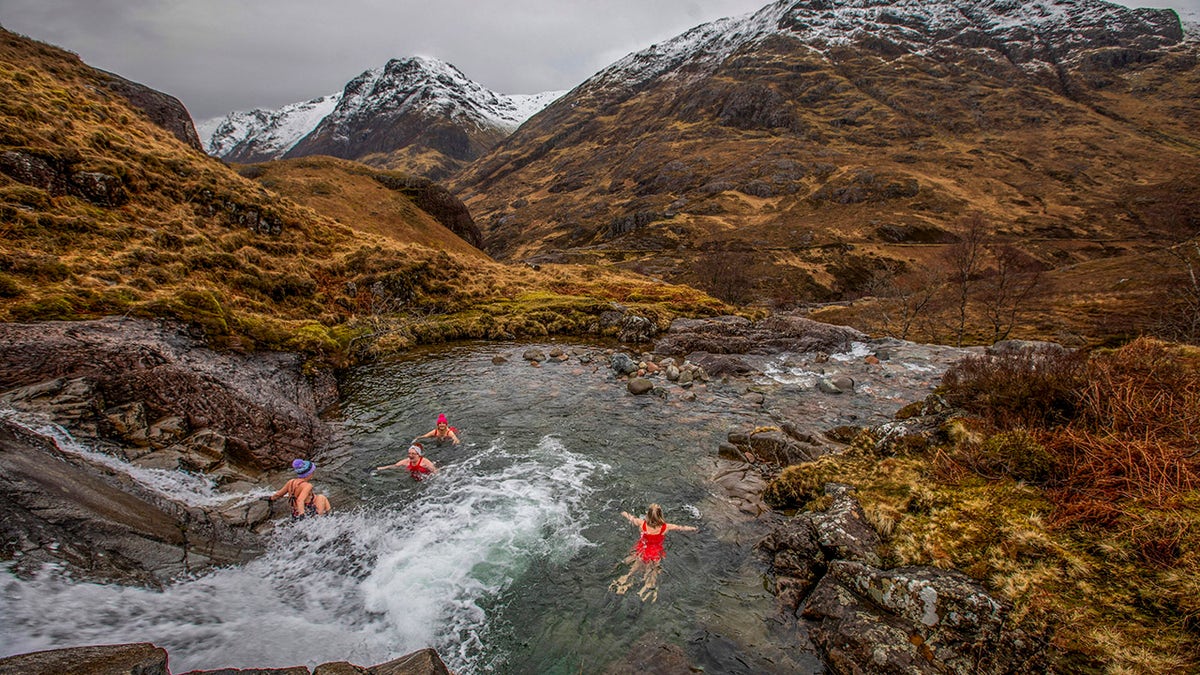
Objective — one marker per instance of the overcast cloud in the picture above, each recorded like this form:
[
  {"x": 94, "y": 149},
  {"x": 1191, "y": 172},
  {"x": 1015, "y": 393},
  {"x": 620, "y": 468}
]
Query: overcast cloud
[{"x": 223, "y": 55}]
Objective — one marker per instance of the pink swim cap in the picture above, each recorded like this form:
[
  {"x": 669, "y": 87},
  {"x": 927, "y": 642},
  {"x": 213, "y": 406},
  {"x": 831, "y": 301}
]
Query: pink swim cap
[{"x": 442, "y": 419}]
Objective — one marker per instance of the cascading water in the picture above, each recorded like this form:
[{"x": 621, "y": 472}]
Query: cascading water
[{"x": 501, "y": 560}]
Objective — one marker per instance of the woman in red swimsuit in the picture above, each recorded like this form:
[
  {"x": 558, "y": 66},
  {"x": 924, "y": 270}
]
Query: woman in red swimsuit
[
  {"x": 442, "y": 431},
  {"x": 647, "y": 554},
  {"x": 417, "y": 464}
]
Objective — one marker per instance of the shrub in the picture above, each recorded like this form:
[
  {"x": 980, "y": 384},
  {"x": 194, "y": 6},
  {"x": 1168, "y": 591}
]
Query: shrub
[
  {"x": 1018, "y": 454},
  {"x": 1028, "y": 388},
  {"x": 799, "y": 484}
]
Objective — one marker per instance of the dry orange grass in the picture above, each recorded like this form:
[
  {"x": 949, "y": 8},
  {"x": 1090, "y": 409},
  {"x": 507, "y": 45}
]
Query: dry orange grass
[{"x": 326, "y": 265}]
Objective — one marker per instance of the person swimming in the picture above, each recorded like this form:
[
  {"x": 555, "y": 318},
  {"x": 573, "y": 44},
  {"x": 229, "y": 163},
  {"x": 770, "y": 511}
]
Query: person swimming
[
  {"x": 305, "y": 502},
  {"x": 417, "y": 464},
  {"x": 442, "y": 431},
  {"x": 647, "y": 554}
]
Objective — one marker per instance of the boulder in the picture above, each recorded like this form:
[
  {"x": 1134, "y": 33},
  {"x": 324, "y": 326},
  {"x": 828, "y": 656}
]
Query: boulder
[
  {"x": 129, "y": 659},
  {"x": 913, "y": 620},
  {"x": 622, "y": 364}
]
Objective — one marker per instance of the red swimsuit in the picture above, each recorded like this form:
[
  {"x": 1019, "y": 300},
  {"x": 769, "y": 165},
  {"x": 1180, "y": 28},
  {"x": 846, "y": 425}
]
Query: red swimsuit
[
  {"x": 650, "y": 546},
  {"x": 417, "y": 469}
]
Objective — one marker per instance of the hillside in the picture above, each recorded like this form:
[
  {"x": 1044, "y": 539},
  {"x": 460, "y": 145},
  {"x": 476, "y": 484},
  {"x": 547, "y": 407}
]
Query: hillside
[
  {"x": 104, "y": 212},
  {"x": 811, "y": 150}
]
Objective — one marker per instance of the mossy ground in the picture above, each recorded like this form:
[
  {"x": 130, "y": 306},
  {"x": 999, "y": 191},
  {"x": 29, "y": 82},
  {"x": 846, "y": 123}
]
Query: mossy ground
[{"x": 1115, "y": 591}]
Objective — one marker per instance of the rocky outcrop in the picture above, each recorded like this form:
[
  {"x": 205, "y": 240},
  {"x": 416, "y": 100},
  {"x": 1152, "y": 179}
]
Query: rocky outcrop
[
  {"x": 437, "y": 201},
  {"x": 782, "y": 446},
  {"x": 866, "y": 619},
  {"x": 146, "y": 384},
  {"x": 738, "y": 335},
  {"x": 60, "y": 177},
  {"x": 147, "y": 659},
  {"x": 163, "y": 109},
  {"x": 912, "y": 620},
  {"x": 99, "y": 523}
]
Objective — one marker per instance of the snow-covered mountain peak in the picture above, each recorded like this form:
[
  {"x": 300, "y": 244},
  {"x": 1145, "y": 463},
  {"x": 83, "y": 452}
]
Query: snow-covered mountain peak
[
  {"x": 1034, "y": 30},
  {"x": 426, "y": 87}
]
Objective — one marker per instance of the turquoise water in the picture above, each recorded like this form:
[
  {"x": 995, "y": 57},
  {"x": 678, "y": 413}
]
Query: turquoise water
[{"x": 501, "y": 561}]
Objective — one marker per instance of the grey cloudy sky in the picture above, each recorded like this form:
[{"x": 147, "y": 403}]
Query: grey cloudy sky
[{"x": 223, "y": 55}]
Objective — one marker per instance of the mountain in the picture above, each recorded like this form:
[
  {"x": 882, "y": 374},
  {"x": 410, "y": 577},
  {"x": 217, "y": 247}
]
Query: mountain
[
  {"x": 262, "y": 135},
  {"x": 105, "y": 211},
  {"x": 798, "y": 152},
  {"x": 419, "y": 114}
]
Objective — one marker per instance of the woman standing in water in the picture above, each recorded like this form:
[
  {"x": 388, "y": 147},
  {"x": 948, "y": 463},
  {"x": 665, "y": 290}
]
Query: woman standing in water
[
  {"x": 442, "y": 431},
  {"x": 647, "y": 554},
  {"x": 417, "y": 464},
  {"x": 305, "y": 502}
]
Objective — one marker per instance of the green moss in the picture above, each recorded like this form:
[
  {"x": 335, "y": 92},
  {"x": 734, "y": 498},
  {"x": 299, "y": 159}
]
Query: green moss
[{"x": 55, "y": 308}]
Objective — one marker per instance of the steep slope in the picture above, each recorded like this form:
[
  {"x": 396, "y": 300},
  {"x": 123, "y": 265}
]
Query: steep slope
[
  {"x": 798, "y": 152},
  {"x": 417, "y": 114},
  {"x": 104, "y": 212}
]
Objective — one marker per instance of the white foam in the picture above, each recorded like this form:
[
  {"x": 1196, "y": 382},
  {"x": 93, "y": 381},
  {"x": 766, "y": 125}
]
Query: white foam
[
  {"x": 188, "y": 488},
  {"x": 361, "y": 585}
]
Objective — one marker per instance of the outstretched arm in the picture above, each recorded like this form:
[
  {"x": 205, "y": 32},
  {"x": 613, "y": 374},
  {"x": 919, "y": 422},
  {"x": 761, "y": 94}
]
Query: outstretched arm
[
  {"x": 681, "y": 528},
  {"x": 454, "y": 437},
  {"x": 279, "y": 493},
  {"x": 636, "y": 522},
  {"x": 389, "y": 466}
]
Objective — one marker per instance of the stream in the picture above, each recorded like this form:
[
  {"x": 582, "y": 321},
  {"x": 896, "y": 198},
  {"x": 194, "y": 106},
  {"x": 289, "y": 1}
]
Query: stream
[{"x": 502, "y": 560}]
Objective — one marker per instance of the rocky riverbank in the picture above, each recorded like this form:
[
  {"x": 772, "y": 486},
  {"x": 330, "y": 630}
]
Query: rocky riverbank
[
  {"x": 150, "y": 394},
  {"x": 154, "y": 396}
]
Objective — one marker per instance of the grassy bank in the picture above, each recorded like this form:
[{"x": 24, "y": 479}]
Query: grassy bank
[{"x": 1069, "y": 485}]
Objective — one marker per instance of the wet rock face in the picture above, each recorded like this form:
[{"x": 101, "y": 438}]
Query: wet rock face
[
  {"x": 141, "y": 384},
  {"x": 57, "y": 508}
]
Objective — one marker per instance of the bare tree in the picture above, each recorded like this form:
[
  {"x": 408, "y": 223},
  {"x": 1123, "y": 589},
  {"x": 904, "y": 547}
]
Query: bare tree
[
  {"x": 1180, "y": 311},
  {"x": 1005, "y": 290},
  {"x": 903, "y": 299},
  {"x": 963, "y": 260}
]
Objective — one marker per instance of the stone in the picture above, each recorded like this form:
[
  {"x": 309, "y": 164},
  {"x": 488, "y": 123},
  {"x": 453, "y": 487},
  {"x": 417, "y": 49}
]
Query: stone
[
  {"x": 622, "y": 364},
  {"x": 826, "y": 386},
  {"x": 140, "y": 658},
  {"x": 535, "y": 355},
  {"x": 498, "y": 360},
  {"x": 168, "y": 430},
  {"x": 640, "y": 385},
  {"x": 844, "y": 383}
]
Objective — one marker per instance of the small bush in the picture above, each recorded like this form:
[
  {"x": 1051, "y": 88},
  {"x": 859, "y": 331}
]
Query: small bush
[
  {"x": 799, "y": 484},
  {"x": 1029, "y": 388},
  {"x": 1018, "y": 454},
  {"x": 9, "y": 288}
]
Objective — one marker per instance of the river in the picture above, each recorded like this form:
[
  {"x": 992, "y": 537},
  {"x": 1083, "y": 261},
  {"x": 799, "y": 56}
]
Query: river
[{"x": 502, "y": 560}]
